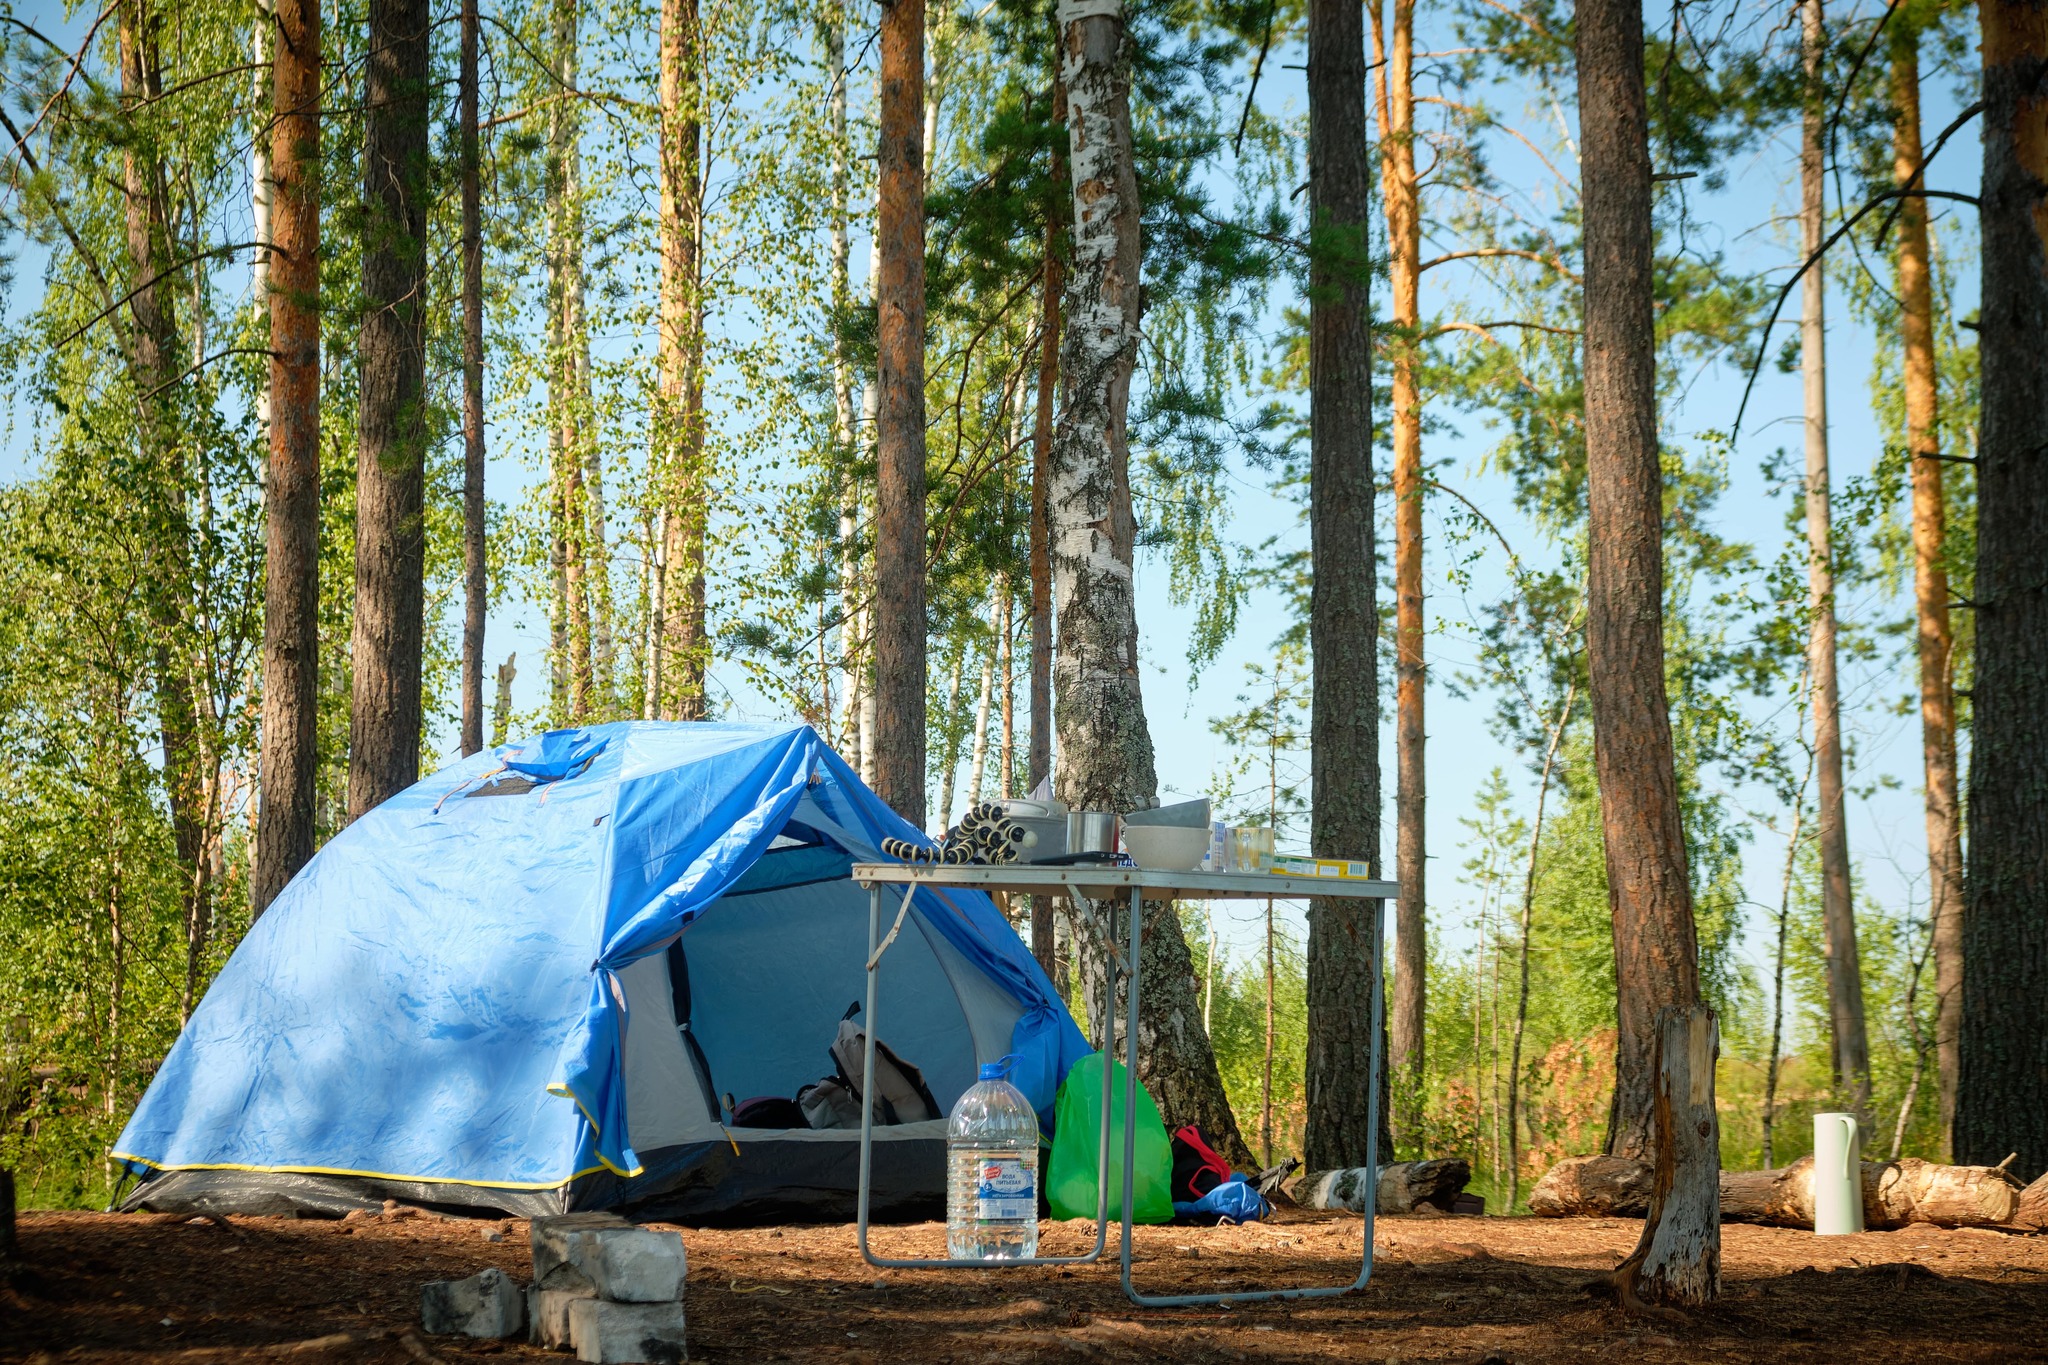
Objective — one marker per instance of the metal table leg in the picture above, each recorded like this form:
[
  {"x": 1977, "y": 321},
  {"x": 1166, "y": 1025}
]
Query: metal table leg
[
  {"x": 867, "y": 1122},
  {"x": 1131, "y": 1135}
]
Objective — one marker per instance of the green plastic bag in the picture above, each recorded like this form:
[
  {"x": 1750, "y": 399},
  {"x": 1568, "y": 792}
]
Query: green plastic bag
[{"x": 1077, "y": 1127}]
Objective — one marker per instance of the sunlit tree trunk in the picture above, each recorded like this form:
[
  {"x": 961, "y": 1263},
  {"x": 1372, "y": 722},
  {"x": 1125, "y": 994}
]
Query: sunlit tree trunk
[
  {"x": 475, "y": 587},
  {"x": 1106, "y": 759},
  {"x": 684, "y": 650},
  {"x": 2002, "y": 1073},
  {"x": 1402, "y": 199},
  {"x": 1930, "y": 575},
  {"x": 1044, "y": 930},
  {"x": 1343, "y": 975},
  {"x": 899, "y": 627},
  {"x": 291, "y": 495},
  {"x": 1838, "y": 912}
]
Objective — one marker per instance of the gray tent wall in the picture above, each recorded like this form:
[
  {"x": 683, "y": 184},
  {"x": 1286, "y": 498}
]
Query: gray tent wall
[{"x": 767, "y": 988}]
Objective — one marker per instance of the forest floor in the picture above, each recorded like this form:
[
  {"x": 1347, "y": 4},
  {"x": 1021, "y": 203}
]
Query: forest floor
[{"x": 1448, "y": 1289}]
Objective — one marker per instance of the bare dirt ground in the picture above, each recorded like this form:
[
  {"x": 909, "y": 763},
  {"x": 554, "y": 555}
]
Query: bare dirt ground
[{"x": 1469, "y": 1289}]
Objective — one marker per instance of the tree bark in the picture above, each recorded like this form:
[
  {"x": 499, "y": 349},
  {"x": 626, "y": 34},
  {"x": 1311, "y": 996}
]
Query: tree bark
[
  {"x": 683, "y": 651},
  {"x": 475, "y": 586},
  {"x": 1593, "y": 1186},
  {"x": 899, "y": 614},
  {"x": 1895, "y": 1193},
  {"x": 1851, "y": 1053},
  {"x": 1401, "y": 196},
  {"x": 1402, "y": 1187},
  {"x": 291, "y": 494},
  {"x": 1106, "y": 750},
  {"x": 1343, "y": 977},
  {"x": 391, "y": 413},
  {"x": 1930, "y": 576},
  {"x": 1655, "y": 951},
  {"x": 2032, "y": 1210},
  {"x": 1053, "y": 280},
  {"x": 1678, "y": 1259},
  {"x": 2002, "y": 1074},
  {"x": 568, "y": 380}
]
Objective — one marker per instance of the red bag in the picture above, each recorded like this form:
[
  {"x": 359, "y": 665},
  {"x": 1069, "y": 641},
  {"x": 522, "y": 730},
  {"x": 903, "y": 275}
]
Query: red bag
[{"x": 1197, "y": 1169}]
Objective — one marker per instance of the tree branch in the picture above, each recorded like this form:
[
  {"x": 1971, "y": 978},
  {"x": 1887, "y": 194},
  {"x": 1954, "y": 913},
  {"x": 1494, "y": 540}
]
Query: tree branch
[{"x": 1494, "y": 251}]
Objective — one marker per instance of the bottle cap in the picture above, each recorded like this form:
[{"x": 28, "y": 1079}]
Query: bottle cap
[{"x": 997, "y": 1070}]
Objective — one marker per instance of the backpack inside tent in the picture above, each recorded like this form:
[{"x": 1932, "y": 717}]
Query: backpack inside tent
[{"x": 582, "y": 972}]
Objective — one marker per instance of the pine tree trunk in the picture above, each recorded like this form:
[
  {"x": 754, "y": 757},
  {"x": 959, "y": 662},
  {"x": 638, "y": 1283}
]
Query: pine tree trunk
[
  {"x": 1851, "y": 1055},
  {"x": 684, "y": 649},
  {"x": 475, "y": 586},
  {"x": 899, "y": 597},
  {"x": 1655, "y": 954},
  {"x": 1106, "y": 758},
  {"x": 389, "y": 635},
  {"x": 2002, "y": 1075},
  {"x": 1343, "y": 977},
  {"x": 1930, "y": 576},
  {"x": 291, "y": 493},
  {"x": 843, "y": 435},
  {"x": 1404, "y": 268}
]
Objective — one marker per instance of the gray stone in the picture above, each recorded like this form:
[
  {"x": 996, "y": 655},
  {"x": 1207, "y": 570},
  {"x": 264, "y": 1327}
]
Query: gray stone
[
  {"x": 550, "y": 1236},
  {"x": 618, "y": 1333},
  {"x": 547, "y": 1316},
  {"x": 486, "y": 1304},
  {"x": 623, "y": 1263}
]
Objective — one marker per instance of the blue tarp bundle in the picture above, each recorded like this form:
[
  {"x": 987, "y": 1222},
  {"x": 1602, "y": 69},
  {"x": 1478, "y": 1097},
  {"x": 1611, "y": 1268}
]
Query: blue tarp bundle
[{"x": 433, "y": 998}]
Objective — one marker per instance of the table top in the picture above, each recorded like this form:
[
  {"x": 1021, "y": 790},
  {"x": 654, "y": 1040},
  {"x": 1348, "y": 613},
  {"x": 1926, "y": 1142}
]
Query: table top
[{"x": 1102, "y": 883}]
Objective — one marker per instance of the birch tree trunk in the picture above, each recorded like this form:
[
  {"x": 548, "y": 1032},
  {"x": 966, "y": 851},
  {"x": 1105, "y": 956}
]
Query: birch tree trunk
[
  {"x": 389, "y": 634},
  {"x": 1343, "y": 977},
  {"x": 1403, "y": 209},
  {"x": 1930, "y": 575},
  {"x": 475, "y": 585},
  {"x": 684, "y": 649},
  {"x": 899, "y": 598},
  {"x": 843, "y": 434},
  {"x": 1044, "y": 927},
  {"x": 2002, "y": 1073},
  {"x": 291, "y": 496},
  {"x": 1006, "y": 751},
  {"x": 1851, "y": 1054},
  {"x": 977, "y": 768},
  {"x": 1106, "y": 750},
  {"x": 1656, "y": 956}
]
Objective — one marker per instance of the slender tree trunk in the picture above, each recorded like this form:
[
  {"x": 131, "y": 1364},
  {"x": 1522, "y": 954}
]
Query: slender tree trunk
[
  {"x": 1006, "y": 752},
  {"x": 1044, "y": 931},
  {"x": 949, "y": 765},
  {"x": 1403, "y": 208},
  {"x": 385, "y": 648},
  {"x": 501, "y": 705},
  {"x": 899, "y": 598},
  {"x": 1774, "y": 1063},
  {"x": 1655, "y": 953},
  {"x": 2002, "y": 1074},
  {"x": 977, "y": 769},
  {"x": 1265, "y": 1076},
  {"x": 679, "y": 431},
  {"x": 291, "y": 495},
  {"x": 475, "y": 588},
  {"x": 568, "y": 381},
  {"x": 843, "y": 434},
  {"x": 1656, "y": 956},
  {"x": 1930, "y": 577},
  {"x": 1564, "y": 715},
  {"x": 1343, "y": 977},
  {"x": 1106, "y": 760},
  {"x": 1851, "y": 1054}
]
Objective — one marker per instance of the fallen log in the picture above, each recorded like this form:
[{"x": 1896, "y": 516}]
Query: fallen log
[
  {"x": 1402, "y": 1187},
  {"x": 1593, "y": 1187},
  {"x": 2032, "y": 1213},
  {"x": 1895, "y": 1193}
]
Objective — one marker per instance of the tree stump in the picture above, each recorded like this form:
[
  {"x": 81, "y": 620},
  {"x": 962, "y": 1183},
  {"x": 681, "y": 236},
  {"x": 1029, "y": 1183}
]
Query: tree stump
[
  {"x": 1678, "y": 1260},
  {"x": 1593, "y": 1186}
]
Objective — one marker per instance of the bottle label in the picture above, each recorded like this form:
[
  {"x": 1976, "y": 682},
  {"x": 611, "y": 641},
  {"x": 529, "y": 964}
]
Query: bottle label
[{"x": 1006, "y": 1190}]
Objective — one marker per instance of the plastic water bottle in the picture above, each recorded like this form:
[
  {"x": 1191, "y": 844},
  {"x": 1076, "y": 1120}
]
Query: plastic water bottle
[{"x": 992, "y": 1172}]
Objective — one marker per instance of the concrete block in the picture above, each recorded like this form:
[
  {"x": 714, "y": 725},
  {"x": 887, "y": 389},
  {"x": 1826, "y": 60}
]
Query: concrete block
[
  {"x": 547, "y": 1316},
  {"x": 486, "y": 1304},
  {"x": 550, "y": 1236},
  {"x": 619, "y": 1333},
  {"x": 625, "y": 1264}
]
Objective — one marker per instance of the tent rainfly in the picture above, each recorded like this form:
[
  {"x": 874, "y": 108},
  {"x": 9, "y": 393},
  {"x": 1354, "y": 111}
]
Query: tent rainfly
[{"x": 545, "y": 979}]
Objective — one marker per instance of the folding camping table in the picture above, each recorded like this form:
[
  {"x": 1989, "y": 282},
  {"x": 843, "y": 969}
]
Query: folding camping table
[{"x": 1109, "y": 886}]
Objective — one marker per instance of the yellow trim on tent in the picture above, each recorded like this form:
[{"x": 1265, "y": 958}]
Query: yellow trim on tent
[
  {"x": 373, "y": 1175},
  {"x": 561, "y": 1091}
]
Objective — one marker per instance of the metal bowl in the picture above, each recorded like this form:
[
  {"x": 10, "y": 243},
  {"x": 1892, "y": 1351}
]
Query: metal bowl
[{"x": 1166, "y": 848}]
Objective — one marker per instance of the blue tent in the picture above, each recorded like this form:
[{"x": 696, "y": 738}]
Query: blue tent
[{"x": 536, "y": 980}]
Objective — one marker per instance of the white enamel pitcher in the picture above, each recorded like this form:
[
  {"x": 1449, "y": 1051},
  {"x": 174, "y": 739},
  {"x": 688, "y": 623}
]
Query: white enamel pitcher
[{"x": 1837, "y": 1175}]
